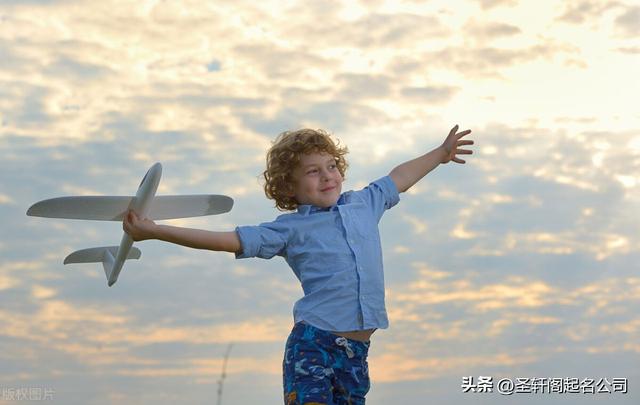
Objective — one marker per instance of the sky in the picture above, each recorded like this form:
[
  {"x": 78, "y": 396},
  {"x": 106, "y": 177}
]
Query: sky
[{"x": 522, "y": 263}]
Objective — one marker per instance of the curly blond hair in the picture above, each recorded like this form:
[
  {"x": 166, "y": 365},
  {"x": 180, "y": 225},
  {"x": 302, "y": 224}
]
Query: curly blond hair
[{"x": 284, "y": 156}]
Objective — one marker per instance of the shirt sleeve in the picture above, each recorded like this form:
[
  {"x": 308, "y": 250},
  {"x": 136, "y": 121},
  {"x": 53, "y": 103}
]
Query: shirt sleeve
[
  {"x": 264, "y": 241},
  {"x": 381, "y": 195}
]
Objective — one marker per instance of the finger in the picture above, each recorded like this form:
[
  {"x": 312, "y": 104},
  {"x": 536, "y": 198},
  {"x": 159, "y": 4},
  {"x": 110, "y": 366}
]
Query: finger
[
  {"x": 465, "y": 142},
  {"x": 453, "y": 130},
  {"x": 132, "y": 218},
  {"x": 463, "y": 133},
  {"x": 455, "y": 159},
  {"x": 463, "y": 152}
]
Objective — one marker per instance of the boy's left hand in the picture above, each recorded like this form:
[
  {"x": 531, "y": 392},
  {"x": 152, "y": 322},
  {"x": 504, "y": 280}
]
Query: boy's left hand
[{"x": 452, "y": 143}]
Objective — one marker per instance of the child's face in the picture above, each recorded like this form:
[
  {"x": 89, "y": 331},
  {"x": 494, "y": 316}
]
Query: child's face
[{"x": 317, "y": 180}]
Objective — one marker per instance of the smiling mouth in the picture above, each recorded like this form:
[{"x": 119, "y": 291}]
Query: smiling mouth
[{"x": 327, "y": 189}]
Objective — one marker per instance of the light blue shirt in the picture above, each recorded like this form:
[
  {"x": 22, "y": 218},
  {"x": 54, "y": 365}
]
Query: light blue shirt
[{"x": 335, "y": 252}]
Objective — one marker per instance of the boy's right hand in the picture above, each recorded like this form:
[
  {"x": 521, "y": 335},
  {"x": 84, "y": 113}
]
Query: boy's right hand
[{"x": 138, "y": 229}]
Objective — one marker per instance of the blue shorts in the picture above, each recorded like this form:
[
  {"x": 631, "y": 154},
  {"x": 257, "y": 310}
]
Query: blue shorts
[{"x": 322, "y": 368}]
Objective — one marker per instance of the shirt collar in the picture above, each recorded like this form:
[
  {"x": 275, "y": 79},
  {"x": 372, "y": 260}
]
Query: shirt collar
[{"x": 307, "y": 209}]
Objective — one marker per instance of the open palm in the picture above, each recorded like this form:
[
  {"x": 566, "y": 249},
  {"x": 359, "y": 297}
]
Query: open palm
[{"x": 453, "y": 143}]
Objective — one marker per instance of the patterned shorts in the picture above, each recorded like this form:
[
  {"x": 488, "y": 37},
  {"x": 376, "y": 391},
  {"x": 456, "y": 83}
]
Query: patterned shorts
[{"x": 322, "y": 368}]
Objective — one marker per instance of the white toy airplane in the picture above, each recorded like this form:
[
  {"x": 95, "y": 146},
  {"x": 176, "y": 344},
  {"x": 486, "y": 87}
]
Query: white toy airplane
[{"x": 114, "y": 208}]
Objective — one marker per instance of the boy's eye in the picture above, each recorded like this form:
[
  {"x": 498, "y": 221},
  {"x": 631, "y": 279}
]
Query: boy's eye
[{"x": 312, "y": 171}]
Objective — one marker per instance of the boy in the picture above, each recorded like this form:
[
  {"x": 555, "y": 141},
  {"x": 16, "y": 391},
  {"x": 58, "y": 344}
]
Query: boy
[{"x": 332, "y": 245}]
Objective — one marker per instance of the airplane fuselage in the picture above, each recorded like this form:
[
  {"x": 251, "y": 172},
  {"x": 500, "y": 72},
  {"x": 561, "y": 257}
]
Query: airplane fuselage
[{"x": 140, "y": 205}]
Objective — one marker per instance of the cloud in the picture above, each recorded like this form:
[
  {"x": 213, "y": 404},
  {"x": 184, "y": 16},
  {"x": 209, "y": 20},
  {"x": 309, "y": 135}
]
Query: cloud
[
  {"x": 271, "y": 61},
  {"x": 98, "y": 338},
  {"x": 460, "y": 309},
  {"x": 491, "y": 30},
  {"x": 406, "y": 366},
  {"x": 430, "y": 94},
  {"x": 628, "y": 22},
  {"x": 12, "y": 60},
  {"x": 631, "y": 50},
  {"x": 206, "y": 370},
  {"x": 33, "y": 111},
  {"x": 526, "y": 252},
  {"x": 371, "y": 31},
  {"x": 489, "y": 4},
  {"x": 336, "y": 116},
  {"x": 583, "y": 179},
  {"x": 8, "y": 282},
  {"x": 33, "y": 2},
  {"x": 362, "y": 86},
  {"x": 514, "y": 293},
  {"x": 579, "y": 11},
  {"x": 480, "y": 62},
  {"x": 5, "y": 199},
  {"x": 70, "y": 69}
]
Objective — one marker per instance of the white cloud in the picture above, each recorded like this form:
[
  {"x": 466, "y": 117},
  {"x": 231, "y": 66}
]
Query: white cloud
[{"x": 537, "y": 228}]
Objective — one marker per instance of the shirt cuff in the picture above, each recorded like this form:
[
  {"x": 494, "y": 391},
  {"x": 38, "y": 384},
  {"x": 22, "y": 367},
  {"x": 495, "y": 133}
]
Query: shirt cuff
[
  {"x": 389, "y": 190},
  {"x": 249, "y": 240}
]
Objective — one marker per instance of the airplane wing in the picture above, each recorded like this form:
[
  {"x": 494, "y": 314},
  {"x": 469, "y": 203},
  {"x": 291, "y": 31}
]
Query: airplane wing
[
  {"x": 185, "y": 206},
  {"x": 113, "y": 208}
]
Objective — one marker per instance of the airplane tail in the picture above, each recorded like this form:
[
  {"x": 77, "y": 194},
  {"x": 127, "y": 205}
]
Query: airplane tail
[{"x": 105, "y": 255}]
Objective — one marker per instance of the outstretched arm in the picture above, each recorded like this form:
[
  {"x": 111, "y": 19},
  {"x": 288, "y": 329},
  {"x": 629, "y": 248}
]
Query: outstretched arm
[
  {"x": 141, "y": 229},
  {"x": 409, "y": 173}
]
